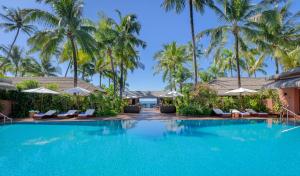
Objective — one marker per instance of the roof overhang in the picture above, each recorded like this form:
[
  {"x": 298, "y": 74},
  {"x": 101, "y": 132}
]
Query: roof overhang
[{"x": 283, "y": 84}]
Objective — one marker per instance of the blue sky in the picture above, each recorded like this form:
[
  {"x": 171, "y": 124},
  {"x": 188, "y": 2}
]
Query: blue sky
[{"x": 158, "y": 28}]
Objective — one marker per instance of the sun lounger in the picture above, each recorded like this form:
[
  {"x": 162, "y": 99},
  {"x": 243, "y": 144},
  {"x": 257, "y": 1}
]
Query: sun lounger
[
  {"x": 48, "y": 114},
  {"x": 258, "y": 114},
  {"x": 243, "y": 114},
  {"x": 87, "y": 113},
  {"x": 70, "y": 113},
  {"x": 220, "y": 113}
]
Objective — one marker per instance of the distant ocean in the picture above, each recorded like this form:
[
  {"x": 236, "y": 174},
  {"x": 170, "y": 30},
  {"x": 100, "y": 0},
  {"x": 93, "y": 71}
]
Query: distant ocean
[{"x": 148, "y": 102}]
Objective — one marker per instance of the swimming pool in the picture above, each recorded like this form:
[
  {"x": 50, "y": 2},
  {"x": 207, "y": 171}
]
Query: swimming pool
[{"x": 150, "y": 148}]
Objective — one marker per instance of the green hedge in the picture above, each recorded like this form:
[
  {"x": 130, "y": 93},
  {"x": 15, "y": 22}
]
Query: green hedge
[{"x": 105, "y": 105}]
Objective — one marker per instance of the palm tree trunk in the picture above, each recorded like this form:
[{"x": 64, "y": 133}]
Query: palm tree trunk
[
  {"x": 69, "y": 65},
  {"x": 276, "y": 65},
  {"x": 230, "y": 64},
  {"x": 113, "y": 71},
  {"x": 83, "y": 72},
  {"x": 16, "y": 72},
  {"x": 11, "y": 46},
  {"x": 237, "y": 58},
  {"x": 193, "y": 42},
  {"x": 100, "y": 79},
  {"x": 121, "y": 78},
  {"x": 74, "y": 61}
]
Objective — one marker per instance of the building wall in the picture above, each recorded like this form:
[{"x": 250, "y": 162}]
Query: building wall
[
  {"x": 290, "y": 97},
  {"x": 6, "y": 107}
]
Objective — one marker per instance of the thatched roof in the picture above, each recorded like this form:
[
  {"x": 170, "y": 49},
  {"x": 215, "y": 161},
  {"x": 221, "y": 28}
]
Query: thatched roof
[
  {"x": 288, "y": 79},
  {"x": 292, "y": 73},
  {"x": 224, "y": 84},
  {"x": 284, "y": 83},
  {"x": 62, "y": 82},
  {"x": 6, "y": 84}
]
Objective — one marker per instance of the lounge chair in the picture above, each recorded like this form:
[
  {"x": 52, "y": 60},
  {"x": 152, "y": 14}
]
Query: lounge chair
[
  {"x": 69, "y": 114},
  {"x": 243, "y": 114},
  {"x": 48, "y": 114},
  {"x": 87, "y": 113},
  {"x": 220, "y": 113},
  {"x": 258, "y": 114}
]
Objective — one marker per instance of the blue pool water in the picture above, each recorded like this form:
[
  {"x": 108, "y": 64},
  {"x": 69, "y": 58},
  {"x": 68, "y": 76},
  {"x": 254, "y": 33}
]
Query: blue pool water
[{"x": 150, "y": 148}]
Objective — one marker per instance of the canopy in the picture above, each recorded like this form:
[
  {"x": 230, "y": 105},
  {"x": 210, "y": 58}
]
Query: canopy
[
  {"x": 241, "y": 90},
  {"x": 40, "y": 90},
  {"x": 77, "y": 91},
  {"x": 174, "y": 93}
]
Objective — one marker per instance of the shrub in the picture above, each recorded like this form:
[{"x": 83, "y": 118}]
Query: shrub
[
  {"x": 194, "y": 110},
  {"x": 27, "y": 84},
  {"x": 197, "y": 101},
  {"x": 52, "y": 86}
]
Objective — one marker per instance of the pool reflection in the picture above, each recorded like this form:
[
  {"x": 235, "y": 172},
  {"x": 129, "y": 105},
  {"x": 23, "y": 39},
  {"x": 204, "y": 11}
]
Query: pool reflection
[{"x": 158, "y": 129}]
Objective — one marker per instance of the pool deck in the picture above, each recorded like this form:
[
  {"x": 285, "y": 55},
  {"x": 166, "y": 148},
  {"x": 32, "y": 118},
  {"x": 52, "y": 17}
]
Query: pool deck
[{"x": 145, "y": 114}]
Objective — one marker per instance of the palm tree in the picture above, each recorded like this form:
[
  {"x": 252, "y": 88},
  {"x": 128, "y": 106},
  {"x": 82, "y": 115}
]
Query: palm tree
[
  {"x": 169, "y": 59},
  {"x": 15, "y": 20},
  {"x": 102, "y": 66},
  {"x": 127, "y": 30},
  {"x": 253, "y": 62},
  {"x": 65, "y": 25},
  {"x": 235, "y": 14},
  {"x": 106, "y": 37},
  {"x": 179, "y": 6},
  {"x": 276, "y": 34},
  {"x": 224, "y": 61},
  {"x": 20, "y": 64}
]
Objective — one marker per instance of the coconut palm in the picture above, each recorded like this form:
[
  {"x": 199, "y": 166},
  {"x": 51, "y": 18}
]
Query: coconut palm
[
  {"x": 20, "y": 64},
  {"x": 65, "y": 24},
  {"x": 235, "y": 15},
  {"x": 225, "y": 62},
  {"x": 169, "y": 59},
  {"x": 127, "y": 41},
  {"x": 179, "y": 6},
  {"x": 277, "y": 33},
  {"x": 15, "y": 20},
  {"x": 106, "y": 37}
]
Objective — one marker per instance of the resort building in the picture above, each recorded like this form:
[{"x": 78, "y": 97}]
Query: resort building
[
  {"x": 288, "y": 84},
  {"x": 62, "y": 82},
  {"x": 225, "y": 84}
]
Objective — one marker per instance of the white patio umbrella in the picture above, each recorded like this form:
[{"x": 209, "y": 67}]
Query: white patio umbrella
[
  {"x": 41, "y": 90},
  {"x": 241, "y": 90},
  {"x": 174, "y": 93},
  {"x": 78, "y": 91}
]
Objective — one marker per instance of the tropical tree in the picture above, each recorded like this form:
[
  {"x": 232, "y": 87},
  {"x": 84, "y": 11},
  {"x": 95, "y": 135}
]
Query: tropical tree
[
  {"x": 254, "y": 62},
  {"x": 19, "y": 64},
  {"x": 235, "y": 14},
  {"x": 126, "y": 41},
  {"x": 64, "y": 24},
  {"x": 179, "y": 6},
  {"x": 169, "y": 59},
  {"x": 106, "y": 36},
  {"x": 276, "y": 32},
  {"x": 225, "y": 62},
  {"x": 15, "y": 20}
]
